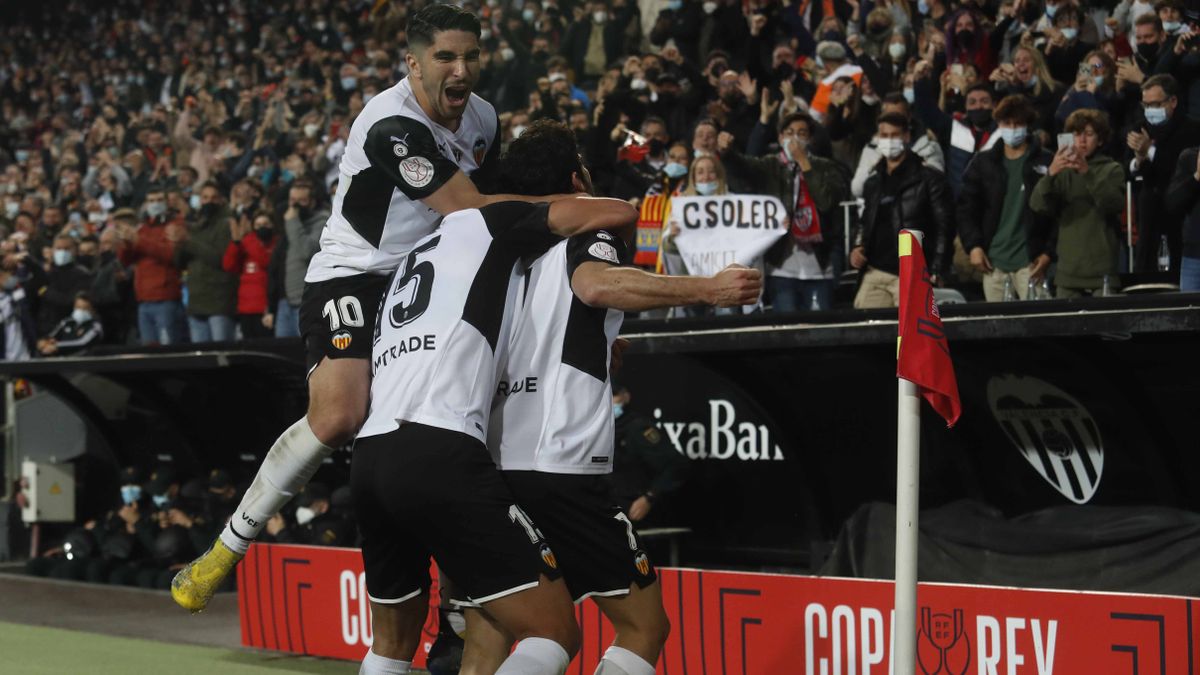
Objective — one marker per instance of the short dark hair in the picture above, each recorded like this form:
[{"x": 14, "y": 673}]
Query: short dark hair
[
  {"x": 896, "y": 98},
  {"x": 1169, "y": 84},
  {"x": 894, "y": 119},
  {"x": 1096, "y": 119},
  {"x": 1015, "y": 108},
  {"x": 541, "y": 160},
  {"x": 980, "y": 86},
  {"x": 798, "y": 117},
  {"x": 433, "y": 19}
]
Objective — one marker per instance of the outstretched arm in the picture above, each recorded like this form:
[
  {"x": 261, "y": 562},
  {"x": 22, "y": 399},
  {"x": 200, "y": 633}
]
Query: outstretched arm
[{"x": 631, "y": 289}]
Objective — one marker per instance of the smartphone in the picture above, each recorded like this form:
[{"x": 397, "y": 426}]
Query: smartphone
[
  {"x": 1066, "y": 140},
  {"x": 956, "y": 69}
]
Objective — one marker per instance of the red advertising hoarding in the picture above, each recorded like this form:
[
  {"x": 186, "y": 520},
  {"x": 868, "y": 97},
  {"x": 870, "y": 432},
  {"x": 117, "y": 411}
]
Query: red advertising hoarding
[{"x": 313, "y": 601}]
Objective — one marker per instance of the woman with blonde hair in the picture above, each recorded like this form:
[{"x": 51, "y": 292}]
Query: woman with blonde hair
[
  {"x": 706, "y": 178},
  {"x": 1029, "y": 76}
]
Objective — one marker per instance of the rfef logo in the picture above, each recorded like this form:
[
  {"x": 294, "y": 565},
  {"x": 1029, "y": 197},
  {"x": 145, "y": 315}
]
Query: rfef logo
[{"x": 943, "y": 648}]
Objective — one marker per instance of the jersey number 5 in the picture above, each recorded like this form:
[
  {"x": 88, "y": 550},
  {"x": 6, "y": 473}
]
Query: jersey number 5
[{"x": 415, "y": 286}]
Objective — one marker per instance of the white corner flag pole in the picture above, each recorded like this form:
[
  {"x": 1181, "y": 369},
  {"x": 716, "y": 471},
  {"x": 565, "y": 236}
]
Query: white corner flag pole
[{"x": 908, "y": 471}]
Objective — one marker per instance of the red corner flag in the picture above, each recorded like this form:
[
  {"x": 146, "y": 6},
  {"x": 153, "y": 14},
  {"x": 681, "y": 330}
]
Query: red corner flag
[{"x": 922, "y": 355}]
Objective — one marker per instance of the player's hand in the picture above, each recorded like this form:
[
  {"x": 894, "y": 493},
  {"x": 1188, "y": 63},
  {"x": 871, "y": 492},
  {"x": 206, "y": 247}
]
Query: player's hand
[
  {"x": 979, "y": 259},
  {"x": 639, "y": 509},
  {"x": 858, "y": 259},
  {"x": 736, "y": 285}
]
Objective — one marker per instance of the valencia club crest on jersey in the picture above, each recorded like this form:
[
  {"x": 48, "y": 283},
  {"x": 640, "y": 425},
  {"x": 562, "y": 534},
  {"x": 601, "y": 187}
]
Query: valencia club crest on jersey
[
  {"x": 341, "y": 340},
  {"x": 548, "y": 557},
  {"x": 480, "y": 150},
  {"x": 642, "y": 563}
]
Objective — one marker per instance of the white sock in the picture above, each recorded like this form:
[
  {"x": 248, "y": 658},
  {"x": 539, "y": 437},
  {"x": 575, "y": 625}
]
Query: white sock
[
  {"x": 374, "y": 664},
  {"x": 536, "y": 656},
  {"x": 618, "y": 661},
  {"x": 289, "y": 465}
]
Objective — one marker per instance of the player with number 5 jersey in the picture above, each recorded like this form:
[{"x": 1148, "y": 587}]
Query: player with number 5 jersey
[
  {"x": 422, "y": 480},
  {"x": 406, "y": 165}
]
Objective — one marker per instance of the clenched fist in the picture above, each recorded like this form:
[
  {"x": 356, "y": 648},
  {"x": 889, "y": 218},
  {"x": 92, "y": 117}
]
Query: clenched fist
[{"x": 736, "y": 285}]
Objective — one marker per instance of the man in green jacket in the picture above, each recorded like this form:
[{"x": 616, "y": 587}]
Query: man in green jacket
[
  {"x": 802, "y": 267},
  {"x": 211, "y": 291},
  {"x": 1084, "y": 192}
]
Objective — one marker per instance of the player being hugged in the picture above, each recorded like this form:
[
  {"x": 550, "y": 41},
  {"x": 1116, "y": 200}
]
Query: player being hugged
[
  {"x": 406, "y": 165},
  {"x": 551, "y": 428}
]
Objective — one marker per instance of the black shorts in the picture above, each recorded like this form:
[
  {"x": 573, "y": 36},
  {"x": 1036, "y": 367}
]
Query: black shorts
[
  {"x": 597, "y": 546},
  {"x": 421, "y": 491},
  {"x": 337, "y": 317}
]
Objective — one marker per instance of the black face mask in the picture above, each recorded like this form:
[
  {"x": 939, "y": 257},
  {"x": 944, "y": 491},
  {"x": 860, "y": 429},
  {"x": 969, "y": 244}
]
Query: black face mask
[
  {"x": 784, "y": 72},
  {"x": 980, "y": 117},
  {"x": 1147, "y": 52},
  {"x": 86, "y": 260},
  {"x": 107, "y": 257},
  {"x": 652, "y": 74},
  {"x": 264, "y": 233},
  {"x": 965, "y": 38},
  {"x": 540, "y": 56},
  {"x": 304, "y": 212},
  {"x": 657, "y": 146},
  {"x": 207, "y": 210}
]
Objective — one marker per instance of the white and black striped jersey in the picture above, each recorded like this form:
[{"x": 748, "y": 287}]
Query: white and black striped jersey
[
  {"x": 553, "y": 406},
  {"x": 444, "y": 327},
  {"x": 395, "y": 157}
]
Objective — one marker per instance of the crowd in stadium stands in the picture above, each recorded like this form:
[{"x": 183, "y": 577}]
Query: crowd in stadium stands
[
  {"x": 159, "y": 522},
  {"x": 166, "y": 169}
]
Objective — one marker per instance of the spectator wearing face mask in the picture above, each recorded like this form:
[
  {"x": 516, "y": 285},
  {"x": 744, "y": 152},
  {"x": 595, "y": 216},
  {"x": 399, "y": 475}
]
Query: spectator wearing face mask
[
  {"x": 920, "y": 144},
  {"x": 303, "y": 221},
  {"x": 150, "y": 251},
  {"x": 212, "y": 291},
  {"x": 248, "y": 255},
  {"x": 724, "y": 26},
  {"x": 967, "y": 43},
  {"x": 803, "y": 267},
  {"x": 634, "y": 175},
  {"x": 899, "y": 193},
  {"x": 1027, "y": 75},
  {"x": 77, "y": 332},
  {"x": 1154, "y": 145},
  {"x": 960, "y": 135},
  {"x": 1006, "y": 240},
  {"x": 1064, "y": 49},
  {"x": 65, "y": 279},
  {"x": 594, "y": 39}
]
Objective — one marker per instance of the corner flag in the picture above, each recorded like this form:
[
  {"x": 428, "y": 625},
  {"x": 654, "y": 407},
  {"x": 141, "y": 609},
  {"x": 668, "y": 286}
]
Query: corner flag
[{"x": 922, "y": 355}]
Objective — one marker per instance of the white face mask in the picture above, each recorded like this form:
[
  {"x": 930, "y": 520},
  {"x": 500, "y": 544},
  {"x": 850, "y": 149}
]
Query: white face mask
[
  {"x": 1014, "y": 136},
  {"x": 897, "y": 50},
  {"x": 709, "y": 7},
  {"x": 507, "y": 54},
  {"x": 304, "y": 515},
  {"x": 518, "y": 130},
  {"x": 311, "y": 130},
  {"x": 599, "y": 17},
  {"x": 707, "y": 188},
  {"x": 891, "y": 148},
  {"x": 81, "y": 315}
]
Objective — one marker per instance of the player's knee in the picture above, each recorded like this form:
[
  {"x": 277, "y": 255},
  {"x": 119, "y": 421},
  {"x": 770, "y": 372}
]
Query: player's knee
[
  {"x": 563, "y": 630},
  {"x": 335, "y": 425}
]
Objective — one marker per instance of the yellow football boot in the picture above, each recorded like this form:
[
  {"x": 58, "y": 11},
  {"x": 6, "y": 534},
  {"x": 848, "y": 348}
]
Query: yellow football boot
[{"x": 196, "y": 583}]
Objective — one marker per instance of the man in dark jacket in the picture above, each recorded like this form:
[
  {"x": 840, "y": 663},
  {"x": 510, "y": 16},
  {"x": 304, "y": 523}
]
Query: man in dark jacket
[
  {"x": 1006, "y": 240},
  {"x": 212, "y": 292},
  {"x": 64, "y": 281},
  {"x": 803, "y": 267},
  {"x": 647, "y": 470},
  {"x": 589, "y": 59},
  {"x": 1154, "y": 142},
  {"x": 900, "y": 193},
  {"x": 1183, "y": 200}
]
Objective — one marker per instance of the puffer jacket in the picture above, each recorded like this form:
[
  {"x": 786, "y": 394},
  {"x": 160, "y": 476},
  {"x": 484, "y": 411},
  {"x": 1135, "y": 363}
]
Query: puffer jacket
[
  {"x": 250, "y": 258},
  {"x": 925, "y": 205}
]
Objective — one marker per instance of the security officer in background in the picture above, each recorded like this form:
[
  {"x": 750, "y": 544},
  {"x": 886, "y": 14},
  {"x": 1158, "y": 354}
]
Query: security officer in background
[
  {"x": 318, "y": 521},
  {"x": 647, "y": 470}
]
